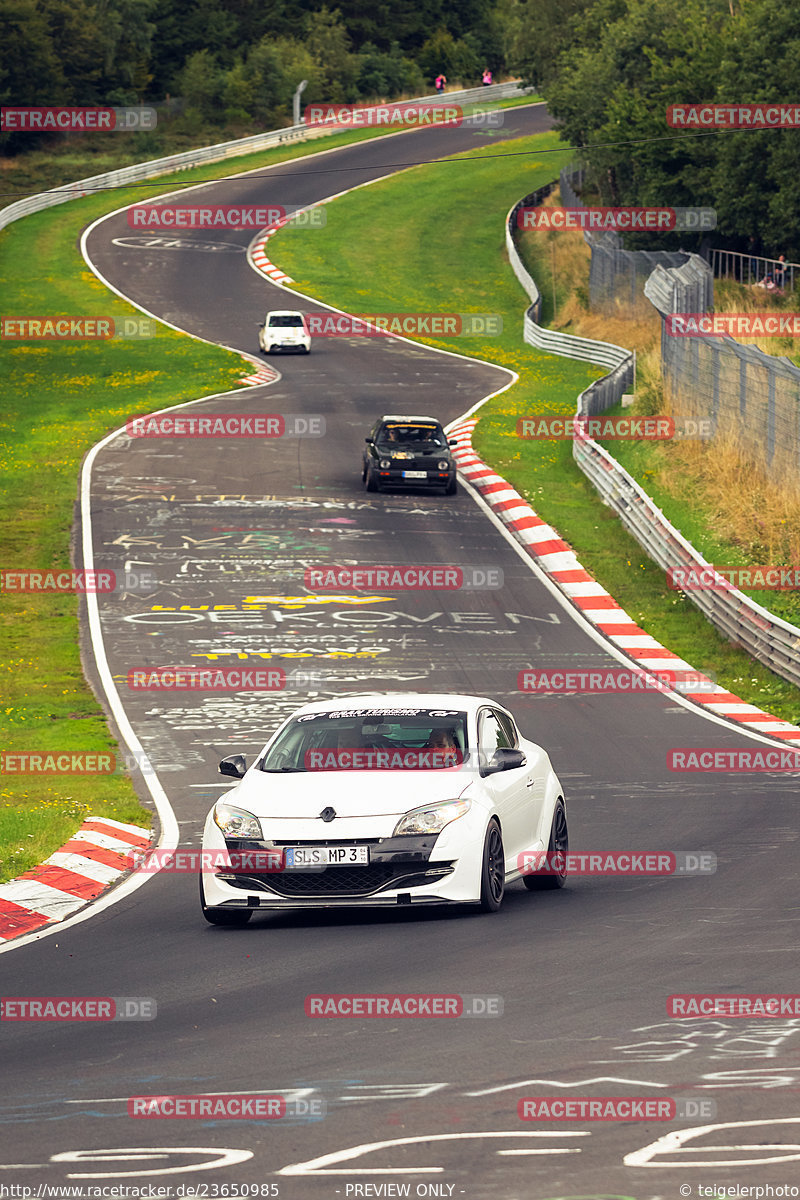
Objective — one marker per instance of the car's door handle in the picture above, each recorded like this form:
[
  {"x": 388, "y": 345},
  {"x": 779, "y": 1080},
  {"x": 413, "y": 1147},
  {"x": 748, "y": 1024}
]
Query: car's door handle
[{"x": 530, "y": 783}]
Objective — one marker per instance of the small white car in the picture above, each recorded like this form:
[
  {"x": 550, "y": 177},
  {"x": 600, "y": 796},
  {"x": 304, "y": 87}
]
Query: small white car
[
  {"x": 284, "y": 329},
  {"x": 385, "y": 800}
]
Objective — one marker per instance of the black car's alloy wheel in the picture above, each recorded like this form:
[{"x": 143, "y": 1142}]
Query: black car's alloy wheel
[{"x": 557, "y": 850}]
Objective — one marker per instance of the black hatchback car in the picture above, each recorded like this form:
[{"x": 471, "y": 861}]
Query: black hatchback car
[{"x": 408, "y": 451}]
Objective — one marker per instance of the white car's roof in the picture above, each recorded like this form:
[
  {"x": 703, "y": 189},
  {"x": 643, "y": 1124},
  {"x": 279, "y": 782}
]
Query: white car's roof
[
  {"x": 284, "y": 312},
  {"x": 394, "y": 700}
]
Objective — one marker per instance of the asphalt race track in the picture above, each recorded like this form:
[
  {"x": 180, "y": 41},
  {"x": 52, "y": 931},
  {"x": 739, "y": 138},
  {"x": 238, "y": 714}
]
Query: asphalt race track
[{"x": 228, "y": 527}]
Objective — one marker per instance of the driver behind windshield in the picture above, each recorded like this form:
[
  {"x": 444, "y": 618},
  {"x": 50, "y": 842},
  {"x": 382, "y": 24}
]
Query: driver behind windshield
[{"x": 441, "y": 739}]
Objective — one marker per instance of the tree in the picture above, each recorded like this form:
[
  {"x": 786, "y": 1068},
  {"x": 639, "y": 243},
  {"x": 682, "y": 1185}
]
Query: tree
[
  {"x": 328, "y": 43},
  {"x": 30, "y": 71},
  {"x": 613, "y": 88},
  {"x": 755, "y": 174},
  {"x": 457, "y": 59},
  {"x": 125, "y": 33},
  {"x": 382, "y": 75},
  {"x": 201, "y": 85}
]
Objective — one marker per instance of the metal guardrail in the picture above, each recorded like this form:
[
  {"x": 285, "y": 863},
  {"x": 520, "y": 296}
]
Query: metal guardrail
[
  {"x": 749, "y": 397},
  {"x": 769, "y": 639},
  {"x": 208, "y": 154},
  {"x": 601, "y": 394},
  {"x": 751, "y": 269}
]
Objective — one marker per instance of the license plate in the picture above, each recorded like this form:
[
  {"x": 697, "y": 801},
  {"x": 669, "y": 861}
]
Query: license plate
[
  {"x": 298, "y": 857},
  {"x": 415, "y": 474}
]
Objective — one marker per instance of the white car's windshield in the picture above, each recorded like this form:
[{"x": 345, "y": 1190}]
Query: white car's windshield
[
  {"x": 370, "y": 739},
  {"x": 285, "y": 321}
]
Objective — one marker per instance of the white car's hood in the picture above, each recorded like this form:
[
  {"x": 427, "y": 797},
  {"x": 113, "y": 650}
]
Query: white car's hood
[{"x": 303, "y": 795}]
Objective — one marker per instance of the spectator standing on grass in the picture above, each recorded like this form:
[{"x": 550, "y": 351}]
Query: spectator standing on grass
[
  {"x": 441, "y": 80},
  {"x": 486, "y": 78},
  {"x": 779, "y": 271}
]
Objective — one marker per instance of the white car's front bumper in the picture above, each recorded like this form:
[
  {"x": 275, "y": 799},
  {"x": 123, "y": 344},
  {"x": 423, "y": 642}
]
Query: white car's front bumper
[{"x": 457, "y": 850}]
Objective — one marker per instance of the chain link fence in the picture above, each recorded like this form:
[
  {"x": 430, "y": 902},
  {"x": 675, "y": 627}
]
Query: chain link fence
[
  {"x": 750, "y": 399},
  {"x": 617, "y": 276}
]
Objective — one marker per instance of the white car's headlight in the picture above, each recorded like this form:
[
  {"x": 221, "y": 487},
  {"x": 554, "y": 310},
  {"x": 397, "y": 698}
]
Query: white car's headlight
[
  {"x": 236, "y": 822},
  {"x": 431, "y": 819}
]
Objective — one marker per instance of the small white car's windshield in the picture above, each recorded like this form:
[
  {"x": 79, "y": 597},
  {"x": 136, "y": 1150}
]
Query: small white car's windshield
[
  {"x": 285, "y": 320},
  {"x": 370, "y": 739}
]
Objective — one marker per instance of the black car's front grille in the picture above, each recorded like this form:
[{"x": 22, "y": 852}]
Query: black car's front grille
[{"x": 341, "y": 881}]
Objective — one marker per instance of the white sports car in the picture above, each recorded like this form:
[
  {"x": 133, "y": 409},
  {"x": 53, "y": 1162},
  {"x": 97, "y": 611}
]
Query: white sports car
[{"x": 378, "y": 800}]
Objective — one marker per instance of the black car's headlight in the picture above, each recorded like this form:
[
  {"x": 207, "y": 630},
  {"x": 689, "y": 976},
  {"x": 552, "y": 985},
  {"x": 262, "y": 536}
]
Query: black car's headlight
[
  {"x": 432, "y": 818},
  {"x": 236, "y": 822},
  {"x": 385, "y": 463},
  {"x": 443, "y": 465}
]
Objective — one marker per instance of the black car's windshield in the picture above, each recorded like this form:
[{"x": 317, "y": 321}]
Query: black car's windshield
[
  {"x": 285, "y": 321},
  {"x": 370, "y": 739},
  {"x": 411, "y": 435}
]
